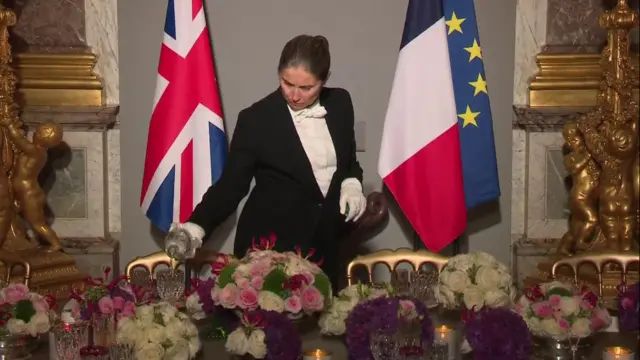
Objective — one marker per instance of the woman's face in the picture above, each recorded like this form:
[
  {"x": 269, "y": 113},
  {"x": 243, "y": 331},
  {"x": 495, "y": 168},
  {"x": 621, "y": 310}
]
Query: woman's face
[{"x": 299, "y": 87}]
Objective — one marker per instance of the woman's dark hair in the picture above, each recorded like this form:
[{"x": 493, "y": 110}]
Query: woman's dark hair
[{"x": 311, "y": 52}]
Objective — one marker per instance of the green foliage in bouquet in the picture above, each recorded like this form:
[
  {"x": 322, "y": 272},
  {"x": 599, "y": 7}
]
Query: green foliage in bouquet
[
  {"x": 226, "y": 275},
  {"x": 274, "y": 282},
  {"x": 323, "y": 285},
  {"x": 560, "y": 291},
  {"x": 24, "y": 310}
]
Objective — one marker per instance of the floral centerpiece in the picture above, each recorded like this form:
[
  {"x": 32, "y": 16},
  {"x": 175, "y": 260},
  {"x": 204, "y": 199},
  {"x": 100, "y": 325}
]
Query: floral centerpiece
[
  {"x": 265, "y": 335},
  {"x": 286, "y": 282},
  {"x": 629, "y": 307},
  {"x": 562, "y": 311},
  {"x": 24, "y": 313},
  {"x": 385, "y": 314},
  {"x": 497, "y": 334},
  {"x": 102, "y": 297},
  {"x": 475, "y": 280},
  {"x": 333, "y": 321},
  {"x": 159, "y": 332}
]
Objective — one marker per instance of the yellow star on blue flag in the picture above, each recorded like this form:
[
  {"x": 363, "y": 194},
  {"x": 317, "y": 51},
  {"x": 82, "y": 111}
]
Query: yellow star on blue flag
[{"x": 477, "y": 145}]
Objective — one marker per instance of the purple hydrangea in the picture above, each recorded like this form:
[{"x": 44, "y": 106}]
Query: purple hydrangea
[
  {"x": 628, "y": 308},
  {"x": 499, "y": 334},
  {"x": 204, "y": 293},
  {"x": 380, "y": 314}
]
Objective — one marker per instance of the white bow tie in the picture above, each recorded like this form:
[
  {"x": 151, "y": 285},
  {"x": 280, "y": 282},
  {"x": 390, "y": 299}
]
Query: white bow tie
[{"x": 316, "y": 112}]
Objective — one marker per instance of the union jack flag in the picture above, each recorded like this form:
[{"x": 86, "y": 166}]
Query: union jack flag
[{"x": 187, "y": 145}]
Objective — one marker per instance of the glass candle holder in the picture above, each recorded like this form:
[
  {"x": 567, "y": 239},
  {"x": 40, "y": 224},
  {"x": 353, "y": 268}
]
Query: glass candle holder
[
  {"x": 69, "y": 339},
  {"x": 104, "y": 329},
  {"x": 383, "y": 345},
  {"x": 617, "y": 353},
  {"x": 439, "y": 351},
  {"x": 316, "y": 354}
]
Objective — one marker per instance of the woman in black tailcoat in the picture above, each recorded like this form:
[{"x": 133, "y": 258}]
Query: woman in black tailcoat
[{"x": 298, "y": 144}]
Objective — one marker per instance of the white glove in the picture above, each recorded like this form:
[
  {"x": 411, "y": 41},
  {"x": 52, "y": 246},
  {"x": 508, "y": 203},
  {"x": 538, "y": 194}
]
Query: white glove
[
  {"x": 187, "y": 250},
  {"x": 352, "y": 202}
]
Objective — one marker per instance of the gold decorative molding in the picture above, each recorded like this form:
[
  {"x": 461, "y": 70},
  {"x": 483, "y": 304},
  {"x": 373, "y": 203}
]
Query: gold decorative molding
[
  {"x": 48, "y": 79},
  {"x": 569, "y": 80}
]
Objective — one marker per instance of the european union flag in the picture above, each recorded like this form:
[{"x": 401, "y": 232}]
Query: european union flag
[{"x": 479, "y": 164}]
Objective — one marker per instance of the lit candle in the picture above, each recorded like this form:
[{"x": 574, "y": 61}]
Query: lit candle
[
  {"x": 444, "y": 334},
  {"x": 617, "y": 353},
  {"x": 317, "y": 354}
]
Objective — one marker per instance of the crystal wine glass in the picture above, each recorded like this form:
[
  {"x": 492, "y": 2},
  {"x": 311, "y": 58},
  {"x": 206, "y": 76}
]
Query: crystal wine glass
[
  {"x": 69, "y": 339},
  {"x": 170, "y": 284},
  {"x": 122, "y": 352}
]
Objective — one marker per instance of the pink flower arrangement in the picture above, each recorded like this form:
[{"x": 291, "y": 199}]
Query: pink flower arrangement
[
  {"x": 112, "y": 298},
  {"x": 562, "y": 311},
  {"x": 272, "y": 281},
  {"x": 23, "y": 312}
]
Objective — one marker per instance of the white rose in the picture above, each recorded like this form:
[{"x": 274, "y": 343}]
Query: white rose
[
  {"x": 194, "y": 346},
  {"x": 473, "y": 298},
  {"x": 487, "y": 278},
  {"x": 156, "y": 333},
  {"x": 456, "y": 280},
  {"x": 550, "y": 328},
  {"x": 39, "y": 324},
  {"x": 445, "y": 296},
  {"x": 17, "y": 327},
  {"x": 243, "y": 270},
  {"x": 150, "y": 352},
  {"x": 496, "y": 299},
  {"x": 269, "y": 301},
  {"x": 535, "y": 326},
  {"x": 332, "y": 324},
  {"x": 581, "y": 328},
  {"x": 343, "y": 306},
  {"x": 126, "y": 326},
  {"x": 179, "y": 351},
  {"x": 175, "y": 330},
  {"x": 191, "y": 329},
  {"x": 462, "y": 262},
  {"x": 569, "y": 305},
  {"x": 257, "y": 347},
  {"x": 145, "y": 313},
  {"x": 376, "y": 293},
  {"x": 237, "y": 342},
  {"x": 483, "y": 258},
  {"x": 505, "y": 278},
  {"x": 350, "y": 291},
  {"x": 194, "y": 308}
]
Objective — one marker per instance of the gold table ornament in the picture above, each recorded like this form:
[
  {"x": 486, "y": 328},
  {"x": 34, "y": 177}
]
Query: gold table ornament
[
  {"x": 46, "y": 269},
  {"x": 317, "y": 354},
  {"x": 617, "y": 353}
]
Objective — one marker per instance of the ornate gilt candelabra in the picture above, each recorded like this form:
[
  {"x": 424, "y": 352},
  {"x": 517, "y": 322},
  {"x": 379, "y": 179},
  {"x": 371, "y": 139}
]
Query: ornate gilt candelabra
[
  {"x": 603, "y": 161},
  {"x": 22, "y": 200}
]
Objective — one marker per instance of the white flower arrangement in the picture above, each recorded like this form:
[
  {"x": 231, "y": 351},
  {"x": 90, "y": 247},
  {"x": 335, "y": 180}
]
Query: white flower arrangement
[
  {"x": 332, "y": 322},
  {"x": 475, "y": 280},
  {"x": 160, "y": 332}
]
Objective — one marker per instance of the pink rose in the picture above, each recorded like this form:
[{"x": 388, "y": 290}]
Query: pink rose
[
  {"x": 599, "y": 319},
  {"x": 128, "y": 309},
  {"x": 14, "y": 293},
  {"x": 563, "y": 324},
  {"x": 257, "y": 282},
  {"x": 554, "y": 300},
  {"x": 105, "y": 304},
  {"x": 242, "y": 283},
  {"x": 248, "y": 299},
  {"x": 260, "y": 268},
  {"x": 75, "y": 312},
  {"x": 228, "y": 296},
  {"x": 293, "y": 305},
  {"x": 309, "y": 278},
  {"x": 40, "y": 304},
  {"x": 312, "y": 300},
  {"x": 627, "y": 303},
  {"x": 118, "y": 303},
  {"x": 542, "y": 309}
]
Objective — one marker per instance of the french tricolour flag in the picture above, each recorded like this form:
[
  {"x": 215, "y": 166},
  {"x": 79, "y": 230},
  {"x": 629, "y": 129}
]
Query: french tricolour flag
[
  {"x": 438, "y": 154},
  {"x": 187, "y": 146}
]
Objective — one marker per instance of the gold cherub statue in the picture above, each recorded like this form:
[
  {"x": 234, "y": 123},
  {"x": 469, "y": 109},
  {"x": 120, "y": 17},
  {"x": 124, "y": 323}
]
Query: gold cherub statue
[
  {"x": 29, "y": 197},
  {"x": 584, "y": 193}
]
